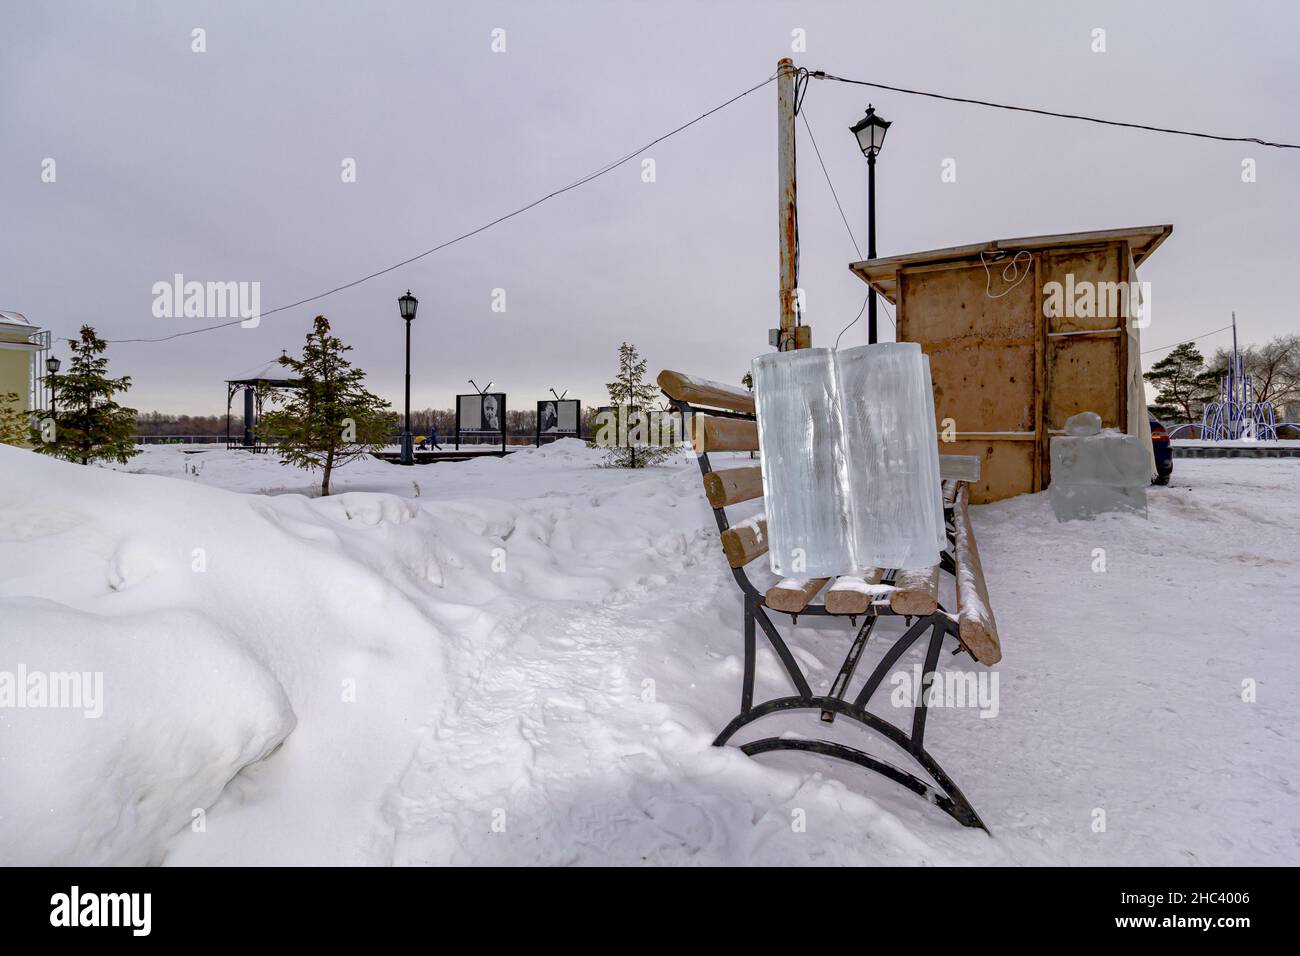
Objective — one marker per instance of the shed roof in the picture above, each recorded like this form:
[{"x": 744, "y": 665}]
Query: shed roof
[{"x": 881, "y": 273}]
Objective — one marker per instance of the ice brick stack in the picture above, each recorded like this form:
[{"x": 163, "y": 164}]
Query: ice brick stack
[
  {"x": 1097, "y": 470},
  {"x": 850, "y": 459}
]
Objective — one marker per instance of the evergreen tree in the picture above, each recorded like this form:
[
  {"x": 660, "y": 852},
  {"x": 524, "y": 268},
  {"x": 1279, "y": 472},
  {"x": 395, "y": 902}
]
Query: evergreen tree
[
  {"x": 330, "y": 418},
  {"x": 15, "y": 428},
  {"x": 1183, "y": 383},
  {"x": 88, "y": 425},
  {"x": 632, "y": 440}
]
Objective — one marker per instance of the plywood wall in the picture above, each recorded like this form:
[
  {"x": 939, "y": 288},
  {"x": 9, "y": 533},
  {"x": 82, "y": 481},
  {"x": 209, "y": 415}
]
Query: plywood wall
[{"x": 1004, "y": 373}]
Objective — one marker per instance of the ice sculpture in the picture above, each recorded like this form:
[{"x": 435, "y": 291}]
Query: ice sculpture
[
  {"x": 850, "y": 459},
  {"x": 1095, "y": 470}
]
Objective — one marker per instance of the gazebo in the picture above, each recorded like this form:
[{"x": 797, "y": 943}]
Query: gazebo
[{"x": 255, "y": 387}]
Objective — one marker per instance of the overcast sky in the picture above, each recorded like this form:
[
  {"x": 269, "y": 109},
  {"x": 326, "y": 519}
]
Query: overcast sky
[{"x": 226, "y": 166}]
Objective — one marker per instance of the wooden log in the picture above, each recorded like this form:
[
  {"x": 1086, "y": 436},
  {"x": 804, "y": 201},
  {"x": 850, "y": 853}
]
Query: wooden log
[
  {"x": 723, "y": 434},
  {"x": 684, "y": 388},
  {"x": 744, "y": 542},
  {"x": 733, "y": 485},
  {"x": 853, "y": 593},
  {"x": 792, "y": 595},
  {"x": 916, "y": 591},
  {"x": 975, "y": 623}
]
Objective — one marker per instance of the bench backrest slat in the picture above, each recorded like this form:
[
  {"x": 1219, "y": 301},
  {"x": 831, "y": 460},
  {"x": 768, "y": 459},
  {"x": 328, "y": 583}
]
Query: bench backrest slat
[
  {"x": 731, "y": 486},
  {"x": 684, "y": 388},
  {"x": 725, "y": 434},
  {"x": 743, "y": 543}
]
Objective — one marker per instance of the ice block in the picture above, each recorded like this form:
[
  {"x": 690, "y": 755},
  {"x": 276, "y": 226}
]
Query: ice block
[
  {"x": 893, "y": 453},
  {"x": 1093, "y": 474},
  {"x": 850, "y": 459},
  {"x": 801, "y": 445}
]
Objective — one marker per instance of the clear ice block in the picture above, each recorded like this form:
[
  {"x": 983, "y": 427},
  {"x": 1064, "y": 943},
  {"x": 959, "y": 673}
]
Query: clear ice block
[
  {"x": 805, "y": 479},
  {"x": 888, "y": 412},
  {"x": 1093, "y": 474},
  {"x": 850, "y": 459}
]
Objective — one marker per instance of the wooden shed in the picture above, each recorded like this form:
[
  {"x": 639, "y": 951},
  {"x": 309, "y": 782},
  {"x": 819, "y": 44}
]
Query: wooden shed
[{"x": 1022, "y": 334}]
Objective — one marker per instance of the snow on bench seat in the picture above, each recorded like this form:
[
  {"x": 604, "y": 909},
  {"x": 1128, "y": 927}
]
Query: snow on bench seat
[
  {"x": 792, "y": 595},
  {"x": 975, "y": 624},
  {"x": 853, "y": 593}
]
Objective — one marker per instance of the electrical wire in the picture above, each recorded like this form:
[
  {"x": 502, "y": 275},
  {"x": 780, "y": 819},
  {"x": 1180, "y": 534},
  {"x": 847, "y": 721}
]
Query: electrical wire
[
  {"x": 849, "y": 229},
  {"x": 1203, "y": 335},
  {"x": 582, "y": 181},
  {"x": 822, "y": 75}
]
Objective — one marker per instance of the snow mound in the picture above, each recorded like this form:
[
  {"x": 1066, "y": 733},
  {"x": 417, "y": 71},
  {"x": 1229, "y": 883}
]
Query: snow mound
[
  {"x": 168, "y": 711},
  {"x": 221, "y": 627}
]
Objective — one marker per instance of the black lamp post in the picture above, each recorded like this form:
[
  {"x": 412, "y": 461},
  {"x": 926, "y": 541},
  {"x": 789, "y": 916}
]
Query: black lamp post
[
  {"x": 406, "y": 306},
  {"x": 870, "y": 131},
  {"x": 52, "y": 366}
]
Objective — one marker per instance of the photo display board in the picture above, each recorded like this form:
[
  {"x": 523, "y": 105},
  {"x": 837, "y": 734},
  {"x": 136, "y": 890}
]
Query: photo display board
[
  {"x": 559, "y": 418},
  {"x": 481, "y": 414}
]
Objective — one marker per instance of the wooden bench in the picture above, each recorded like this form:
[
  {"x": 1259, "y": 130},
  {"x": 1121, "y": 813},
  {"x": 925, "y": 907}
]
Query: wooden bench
[{"x": 723, "y": 420}]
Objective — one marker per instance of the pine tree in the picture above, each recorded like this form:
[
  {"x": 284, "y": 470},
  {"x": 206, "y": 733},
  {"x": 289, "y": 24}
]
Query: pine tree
[
  {"x": 630, "y": 441},
  {"x": 88, "y": 425},
  {"x": 15, "y": 428},
  {"x": 330, "y": 418},
  {"x": 1183, "y": 384}
]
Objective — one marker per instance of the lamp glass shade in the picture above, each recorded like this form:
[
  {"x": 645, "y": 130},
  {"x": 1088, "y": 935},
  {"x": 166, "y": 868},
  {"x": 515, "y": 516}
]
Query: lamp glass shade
[
  {"x": 870, "y": 131},
  {"x": 52, "y": 365},
  {"x": 406, "y": 305}
]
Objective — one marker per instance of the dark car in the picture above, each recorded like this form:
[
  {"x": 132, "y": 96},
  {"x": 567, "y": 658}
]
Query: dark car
[{"x": 1164, "y": 452}]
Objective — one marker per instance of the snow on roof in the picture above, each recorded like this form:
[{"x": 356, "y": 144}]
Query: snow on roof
[{"x": 14, "y": 318}]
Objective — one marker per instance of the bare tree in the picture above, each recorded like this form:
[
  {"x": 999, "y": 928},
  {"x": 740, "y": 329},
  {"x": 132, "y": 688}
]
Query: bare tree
[{"x": 1275, "y": 367}]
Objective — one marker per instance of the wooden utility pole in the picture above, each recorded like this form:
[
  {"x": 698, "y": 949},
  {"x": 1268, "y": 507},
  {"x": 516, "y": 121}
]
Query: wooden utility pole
[{"x": 786, "y": 336}]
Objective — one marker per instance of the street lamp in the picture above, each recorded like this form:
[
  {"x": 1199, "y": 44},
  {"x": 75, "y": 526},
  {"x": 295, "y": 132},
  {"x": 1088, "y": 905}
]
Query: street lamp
[
  {"x": 870, "y": 132},
  {"x": 52, "y": 366},
  {"x": 406, "y": 307}
]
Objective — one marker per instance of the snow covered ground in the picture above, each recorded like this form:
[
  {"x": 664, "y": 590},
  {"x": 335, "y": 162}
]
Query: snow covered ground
[{"x": 525, "y": 660}]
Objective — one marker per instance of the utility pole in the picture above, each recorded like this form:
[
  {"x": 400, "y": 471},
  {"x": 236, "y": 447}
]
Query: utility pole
[{"x": 786, "y": 336}]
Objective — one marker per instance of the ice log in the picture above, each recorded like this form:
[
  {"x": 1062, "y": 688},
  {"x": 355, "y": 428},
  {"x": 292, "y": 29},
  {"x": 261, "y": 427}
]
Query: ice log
[
  {"x": 1094, "y": 474},
  {"x": 893, "y": 451},
  {"x": 804, "y": 471}
]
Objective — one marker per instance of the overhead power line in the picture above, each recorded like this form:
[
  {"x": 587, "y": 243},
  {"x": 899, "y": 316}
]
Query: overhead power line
[
  {"x": 596, "y": 174},
  {"x": 849, "y": 229},
  {"x": 1203, "y": 335},
  {"x": 822, "y": 75}
]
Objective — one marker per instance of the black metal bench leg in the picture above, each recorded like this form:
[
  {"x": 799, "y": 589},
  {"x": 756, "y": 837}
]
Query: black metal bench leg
[
  {"x": 747, "y": 689},
  {"x": 787, "y": 659},
  {"x": 927, "y": 679},
  {"x": 841, "y": 686}
]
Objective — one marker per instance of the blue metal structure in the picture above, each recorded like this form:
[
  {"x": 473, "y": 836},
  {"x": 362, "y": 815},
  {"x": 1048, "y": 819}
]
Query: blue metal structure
[{"x": 1236, "y": 415}]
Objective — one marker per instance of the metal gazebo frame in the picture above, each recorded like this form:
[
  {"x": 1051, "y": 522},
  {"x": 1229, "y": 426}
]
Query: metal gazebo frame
[{"x": 255, "y": 389}]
